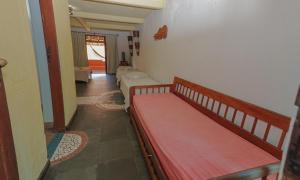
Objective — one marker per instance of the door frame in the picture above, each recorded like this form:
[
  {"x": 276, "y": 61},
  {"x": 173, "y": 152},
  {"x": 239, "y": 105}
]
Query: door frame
[
  {"x": 105, "y": 62},
  {"x": 49, "y": 28},
  {"x": 8, "y": 160},
  {"x": 105, "y": 47}
]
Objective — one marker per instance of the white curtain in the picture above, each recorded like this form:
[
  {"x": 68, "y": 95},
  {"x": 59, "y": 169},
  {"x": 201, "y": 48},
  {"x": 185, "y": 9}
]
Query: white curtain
[
  {"x": 79, "y": 49},
  {"x": 112, "y": 53}
]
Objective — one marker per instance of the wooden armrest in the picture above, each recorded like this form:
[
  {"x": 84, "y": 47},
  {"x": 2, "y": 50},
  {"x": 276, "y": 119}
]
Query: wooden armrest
[
  {"x": 253, "y": 173},
  {"x": 147, "y": 87}
]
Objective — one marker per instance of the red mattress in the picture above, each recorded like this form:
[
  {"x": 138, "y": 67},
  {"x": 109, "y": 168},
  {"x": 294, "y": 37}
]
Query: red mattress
[{"x": 189, "y": 144}]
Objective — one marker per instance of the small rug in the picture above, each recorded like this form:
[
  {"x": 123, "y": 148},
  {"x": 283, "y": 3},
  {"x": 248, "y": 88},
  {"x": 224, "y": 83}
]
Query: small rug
[
  {"x": 65, "y": 146},
  {"x": 106, "y": 101}
]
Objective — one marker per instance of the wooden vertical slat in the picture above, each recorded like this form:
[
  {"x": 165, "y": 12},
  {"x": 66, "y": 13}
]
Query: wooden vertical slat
[
  {"x": 181, "y": 89},
  {"x": 234, "y": 115},
  {"x": 254, "y": 126},
  {"x": 187, "y": 91},
  {"x": 213, "y": 104},
  {"x": 243, "y": 120},
  {"x": 219, "y": 108},
  {"x": 267, "y": 132},
  {"x": 226, "y": 111},
  {"x": 194, "y": 95},
  {"x": 202, "y": 99},
  {"x": 190, "y": 90},
  {"x": 207, "y": 102},
  {"x": 281, "y": 139},
  {"x": 197, "y": 99}
]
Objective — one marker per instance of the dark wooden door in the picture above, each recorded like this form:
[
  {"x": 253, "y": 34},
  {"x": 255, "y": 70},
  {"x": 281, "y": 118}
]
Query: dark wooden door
[
  {"x": 8, "y": 162},
  {"x": 292, "y": 164},
  {"x": 53, "y": 64}
]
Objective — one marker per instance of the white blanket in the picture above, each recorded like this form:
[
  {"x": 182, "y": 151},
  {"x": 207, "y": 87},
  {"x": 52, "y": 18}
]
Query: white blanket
[
  {"x": 126, "y": 83},
  {"x": 121, "y": 71},
  {"x": 83, "y": 74}
]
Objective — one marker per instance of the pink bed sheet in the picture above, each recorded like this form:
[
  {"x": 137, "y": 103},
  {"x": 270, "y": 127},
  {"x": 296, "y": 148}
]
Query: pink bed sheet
[{"x": 189, "y": 144}]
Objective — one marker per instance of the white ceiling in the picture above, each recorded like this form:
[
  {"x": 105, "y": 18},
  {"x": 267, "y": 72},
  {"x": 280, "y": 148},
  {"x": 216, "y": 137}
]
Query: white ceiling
[
  {"x": 110, "y": 14},
  {"x": 112, "y": 9}
]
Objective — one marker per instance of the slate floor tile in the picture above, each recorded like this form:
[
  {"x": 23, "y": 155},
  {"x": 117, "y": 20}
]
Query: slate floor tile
[
  {"x": 124, "y": 169},
  {"x": 112, "y": 152}
]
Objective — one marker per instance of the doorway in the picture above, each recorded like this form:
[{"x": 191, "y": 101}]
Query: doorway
[{"x": 96, "y": 54}]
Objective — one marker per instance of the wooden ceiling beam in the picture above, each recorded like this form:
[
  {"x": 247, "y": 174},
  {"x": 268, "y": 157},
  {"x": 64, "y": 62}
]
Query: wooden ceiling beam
[
  {"x": 83, "y": 23},
  {"x": 106, "y": 17},
  {"x": 147, "y": 4},
  {"x": 96, "y": 25}
]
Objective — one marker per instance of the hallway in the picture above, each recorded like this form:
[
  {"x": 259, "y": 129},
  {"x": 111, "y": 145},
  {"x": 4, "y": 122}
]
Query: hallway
[{"x": 112, "y": 151}]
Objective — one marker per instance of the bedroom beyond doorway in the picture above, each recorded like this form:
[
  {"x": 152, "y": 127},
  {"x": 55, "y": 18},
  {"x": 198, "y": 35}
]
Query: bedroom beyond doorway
[{"x": 96, "y": 53}]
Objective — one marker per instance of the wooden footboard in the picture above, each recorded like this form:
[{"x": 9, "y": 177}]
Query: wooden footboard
[{"x": 255, "y": 124}]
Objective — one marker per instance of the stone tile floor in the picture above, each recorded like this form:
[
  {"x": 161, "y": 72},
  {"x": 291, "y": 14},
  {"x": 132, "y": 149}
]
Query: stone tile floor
[{"x": 113, "y": 152}]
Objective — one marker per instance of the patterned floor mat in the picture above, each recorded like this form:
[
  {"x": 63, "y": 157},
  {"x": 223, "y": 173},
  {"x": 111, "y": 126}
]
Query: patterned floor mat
[{"x": 64, "y": 146}]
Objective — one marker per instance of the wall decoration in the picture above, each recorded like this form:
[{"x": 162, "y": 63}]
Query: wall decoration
[
  {"x": 161, "y": 33},
  {"x": 136, "y": 36},
  {"x": 130, "y": 43}
]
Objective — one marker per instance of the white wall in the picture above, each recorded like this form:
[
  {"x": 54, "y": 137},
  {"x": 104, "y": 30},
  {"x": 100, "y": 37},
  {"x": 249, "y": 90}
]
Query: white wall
[
  {"x": 65, "y": 49},
  {"x": 249, "y": 49},
  {"x": 122, "y": 41},
  {"x": 22, "y": 88}
]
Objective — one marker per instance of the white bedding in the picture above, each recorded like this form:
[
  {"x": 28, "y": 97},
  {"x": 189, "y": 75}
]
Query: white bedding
[
  {"x": 83, "y": 74},
  {"x": 126, "y": 83},
  {"x": 123, "y": 70}
]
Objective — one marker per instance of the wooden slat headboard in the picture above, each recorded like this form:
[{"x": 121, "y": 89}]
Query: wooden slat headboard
[{"x": 262, "y": 127}]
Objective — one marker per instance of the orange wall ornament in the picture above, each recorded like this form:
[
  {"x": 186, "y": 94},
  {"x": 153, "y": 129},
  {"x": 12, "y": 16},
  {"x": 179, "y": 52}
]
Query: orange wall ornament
[{"x": 161, "y": 33}]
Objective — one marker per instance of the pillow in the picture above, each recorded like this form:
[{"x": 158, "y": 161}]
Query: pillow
[
  {"x": 124, "y": 67},
  {"x": 136, "y": 75}
]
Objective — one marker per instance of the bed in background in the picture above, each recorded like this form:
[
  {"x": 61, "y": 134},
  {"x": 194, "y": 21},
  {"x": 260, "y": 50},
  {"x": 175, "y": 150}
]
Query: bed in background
[
  {"x": 83, "y": 74},
  {"x": 121, "y": 70},
  {"x": 187, "y": 131},
  {"x": 133, "y": 79}
]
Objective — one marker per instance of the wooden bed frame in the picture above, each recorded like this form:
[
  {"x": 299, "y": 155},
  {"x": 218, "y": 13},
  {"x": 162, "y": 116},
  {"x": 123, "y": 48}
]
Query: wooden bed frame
[{"x": 211, "y": 103}]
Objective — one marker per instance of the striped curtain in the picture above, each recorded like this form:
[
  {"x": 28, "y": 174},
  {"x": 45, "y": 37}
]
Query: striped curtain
[
  {"x": 112, "y": 53},
  {"x": 79, "y": 49}
]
